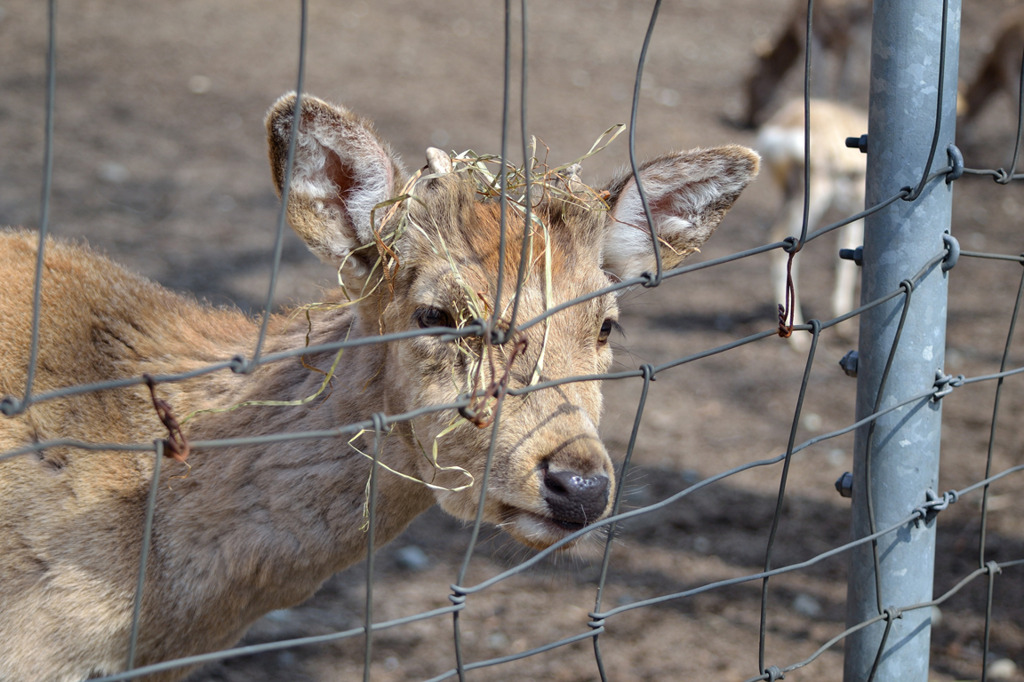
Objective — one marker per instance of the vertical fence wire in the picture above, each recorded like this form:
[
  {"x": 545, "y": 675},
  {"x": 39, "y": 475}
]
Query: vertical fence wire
[
  {"x": 10, "y": 406},
  {"x": 655, "y": 278},
  {"x": 379, "y": 435},
  {"x": 528, "y": 162},
  {"x": 596, "y": 622},
  {"x": 490, "y": 333},
  {"x": 781, "y": 497},
  {"x": 286, "y": 186},
  {"x": 147, "y": 536},
  {"x": 990, "y": 452}
]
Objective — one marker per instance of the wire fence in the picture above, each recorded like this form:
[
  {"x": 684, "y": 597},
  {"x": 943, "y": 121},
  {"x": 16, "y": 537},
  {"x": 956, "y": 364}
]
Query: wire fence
[{"x": 596, "y": 628}]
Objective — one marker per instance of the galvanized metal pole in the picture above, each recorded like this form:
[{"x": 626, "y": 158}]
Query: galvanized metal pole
[{"x": 897, "y": 459}]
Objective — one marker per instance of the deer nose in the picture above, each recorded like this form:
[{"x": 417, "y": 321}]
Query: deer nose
[{"x": 574, "y": 499}]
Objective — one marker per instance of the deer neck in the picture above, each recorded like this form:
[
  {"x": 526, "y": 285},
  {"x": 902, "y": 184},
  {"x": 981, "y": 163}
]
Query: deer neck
[{"x": 266, "y": 523}]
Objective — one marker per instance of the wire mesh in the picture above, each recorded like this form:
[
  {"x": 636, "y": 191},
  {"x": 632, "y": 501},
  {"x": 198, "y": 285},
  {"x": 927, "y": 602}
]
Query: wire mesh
[{"x": 596, "y": 626}]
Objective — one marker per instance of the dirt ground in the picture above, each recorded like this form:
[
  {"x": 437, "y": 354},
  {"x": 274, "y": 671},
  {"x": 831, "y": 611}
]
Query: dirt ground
[{"x": 160, "y": 162}]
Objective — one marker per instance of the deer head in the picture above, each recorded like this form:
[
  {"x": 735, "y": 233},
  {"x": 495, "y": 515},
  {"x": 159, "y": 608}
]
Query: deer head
[{"x": 423, "y": 252}]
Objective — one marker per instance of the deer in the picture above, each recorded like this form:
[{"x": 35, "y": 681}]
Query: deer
[
  {"x": 836, "y": 181},
  {"x": 244, "y": 526},
  {"x": 834, "y": 29},
  {"x": 1000, "y": 70}
]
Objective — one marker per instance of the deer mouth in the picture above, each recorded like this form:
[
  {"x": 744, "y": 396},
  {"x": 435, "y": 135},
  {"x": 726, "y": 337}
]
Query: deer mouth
[
  {"x": 537, "y": 531},
  {"x": 567, "y": 502}
]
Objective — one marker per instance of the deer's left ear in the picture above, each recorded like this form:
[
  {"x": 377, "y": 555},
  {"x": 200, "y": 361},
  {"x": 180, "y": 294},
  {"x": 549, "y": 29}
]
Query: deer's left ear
[{"x": 687, "y": 193}]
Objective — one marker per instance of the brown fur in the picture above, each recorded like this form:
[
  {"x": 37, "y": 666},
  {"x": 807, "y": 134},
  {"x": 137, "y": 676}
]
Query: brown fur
[{"x": 247, "y": 528}]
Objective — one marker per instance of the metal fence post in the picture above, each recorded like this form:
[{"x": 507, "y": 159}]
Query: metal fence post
[{"x": 894, "y": 470}]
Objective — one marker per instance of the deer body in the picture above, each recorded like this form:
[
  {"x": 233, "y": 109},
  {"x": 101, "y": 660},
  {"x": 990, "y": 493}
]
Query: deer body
[
  {"x": 218, "y": 530},
  {"x": 245, "y": 529},
  {"x": 834, "y": 31},
  {"x": 836, "y": 181},
  {"x": 1000, "y": 71}
]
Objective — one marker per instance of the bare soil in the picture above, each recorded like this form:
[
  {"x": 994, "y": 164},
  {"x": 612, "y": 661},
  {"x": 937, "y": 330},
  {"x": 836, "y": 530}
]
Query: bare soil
[{"x": 160, "y": 162}]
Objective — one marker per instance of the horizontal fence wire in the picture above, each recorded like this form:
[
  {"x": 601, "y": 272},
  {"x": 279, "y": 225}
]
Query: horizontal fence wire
[{"x": 595, "y": 629}]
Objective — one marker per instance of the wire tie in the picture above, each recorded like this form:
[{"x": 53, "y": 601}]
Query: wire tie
[
  {"x": 994, "y": 568},
  {"x": 893, "y": 612},
  {"x": 596, "y": 622},
  {"x": 956, "y": 160},
  {"x": 791, "y": 244},
  {"x": 647, "y": 370},
  {"x": 785, "y": 329},
  {"x": 10, "y": 406},
  {"x": 480, "y": 324},
  {"x": 952, "y": 252},
  {"x": 934, "y": 504},
  {"x": 775, "y": 673},
  {"x": 176, "y": 445},
  {"x": 650, "y": 280},
  {"x": 945, "y": 383},
  {"x": 495, "y": 335},
  {"x": 937, "y": 504},
  {"x": 239, "y": 365},
  {"x": 458, "y": 596}
]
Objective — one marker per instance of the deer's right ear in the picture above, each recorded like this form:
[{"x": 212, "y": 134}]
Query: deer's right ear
[
  {"x": 688, "y": 194},
  {"x": 342, "y": 170}
]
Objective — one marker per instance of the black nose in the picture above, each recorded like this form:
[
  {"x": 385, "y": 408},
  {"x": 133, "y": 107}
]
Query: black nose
[{"x": 575, "y": 500}]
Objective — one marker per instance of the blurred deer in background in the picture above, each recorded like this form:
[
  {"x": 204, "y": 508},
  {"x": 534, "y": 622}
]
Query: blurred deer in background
[
  {"x": 834, "y": 27},
  {"x": 1000, "y": 71},
  {"x": 836, "y": 181},
  {"x": 243, "y": 529}
]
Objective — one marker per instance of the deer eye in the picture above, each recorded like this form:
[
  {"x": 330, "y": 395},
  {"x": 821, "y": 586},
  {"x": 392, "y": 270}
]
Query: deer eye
[
  {"x": 606, "y": 329},
  {"x": 432, "y": 317}
]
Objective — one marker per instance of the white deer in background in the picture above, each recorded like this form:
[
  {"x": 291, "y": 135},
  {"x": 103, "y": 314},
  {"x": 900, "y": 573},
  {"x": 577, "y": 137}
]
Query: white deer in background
[
  {"x": 836, "y": 181},
  {"x": 240, "y": 530}
]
